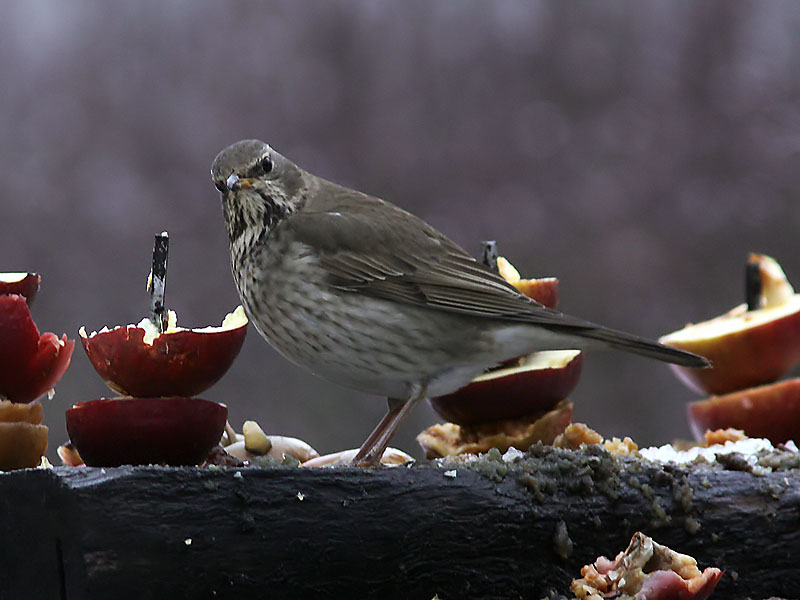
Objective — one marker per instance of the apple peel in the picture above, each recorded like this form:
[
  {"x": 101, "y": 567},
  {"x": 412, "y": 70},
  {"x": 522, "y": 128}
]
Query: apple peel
[
  {"x": 137, "y": 360},
  {"x": 30, "y": 364},
  {"x": 646, "y": 570}
]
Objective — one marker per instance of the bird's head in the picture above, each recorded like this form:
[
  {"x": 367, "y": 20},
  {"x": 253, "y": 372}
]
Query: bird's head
[{"x": 259, "y": 188}]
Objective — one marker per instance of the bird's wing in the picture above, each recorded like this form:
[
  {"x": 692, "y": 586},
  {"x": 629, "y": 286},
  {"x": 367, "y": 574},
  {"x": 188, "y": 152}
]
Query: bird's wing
[
  {"x": 382, "y": 251},
  {"x": 398, "y": 257},
  {"x": 379, "y": 250}
]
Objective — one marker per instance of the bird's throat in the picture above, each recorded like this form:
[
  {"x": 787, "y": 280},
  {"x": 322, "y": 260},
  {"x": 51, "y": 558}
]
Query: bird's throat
[{"x": 250, "y": 218}]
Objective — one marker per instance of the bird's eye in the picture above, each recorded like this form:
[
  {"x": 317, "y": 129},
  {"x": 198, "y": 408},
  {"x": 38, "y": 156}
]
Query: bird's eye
[
  {"x": 220, "y": 185},
  {"x": 266, "y": 164}
]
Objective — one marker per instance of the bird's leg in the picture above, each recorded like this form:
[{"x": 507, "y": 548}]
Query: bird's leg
[{"x": 374, "y": 446}]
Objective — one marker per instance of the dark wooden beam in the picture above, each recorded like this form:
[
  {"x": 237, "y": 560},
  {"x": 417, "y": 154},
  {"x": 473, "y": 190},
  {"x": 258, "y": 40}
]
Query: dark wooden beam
[{"x": 484, "y": 530}]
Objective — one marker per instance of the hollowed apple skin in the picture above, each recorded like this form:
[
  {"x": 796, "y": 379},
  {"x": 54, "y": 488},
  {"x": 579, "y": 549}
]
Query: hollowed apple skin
[
  {"x": 509, "y": 396},
  {"x": 768, "y": 411},
  {"x": 182, "y": 363},
  {"x": 23, "y": 284},
  {"x": 30, "y": 363},
  {"x": 137, "y": 431},
  {"x": 744, "y": 358}
]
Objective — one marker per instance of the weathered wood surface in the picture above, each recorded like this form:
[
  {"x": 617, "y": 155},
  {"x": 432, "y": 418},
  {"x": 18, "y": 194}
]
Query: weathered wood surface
[{"x": 488, "y": 532}]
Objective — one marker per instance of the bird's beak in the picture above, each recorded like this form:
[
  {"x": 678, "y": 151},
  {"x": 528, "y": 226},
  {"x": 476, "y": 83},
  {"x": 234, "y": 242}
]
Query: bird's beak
[{"x": 234, "y": 181}]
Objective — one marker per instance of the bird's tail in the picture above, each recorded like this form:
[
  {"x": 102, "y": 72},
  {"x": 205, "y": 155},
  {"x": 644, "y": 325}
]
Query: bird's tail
[{"x": 638, "y": 345}]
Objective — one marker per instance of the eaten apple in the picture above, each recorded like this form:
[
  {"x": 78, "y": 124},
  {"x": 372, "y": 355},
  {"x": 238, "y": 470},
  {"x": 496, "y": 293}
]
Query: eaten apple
[
  {"x": 754, "y": 343},
  {"x": 544, "y": 289},
  {"x": 449, "y": 439},
  {"x": 536, "y": 382},
  {"x": 30, "y": 363},
  {"x": 769, "y": 411},
  {"x": 137, "y": 360},
  {"x": 646, "y": 570},
  {"x": 173, "y": 431},
  {"x": 24, "y": 284}
]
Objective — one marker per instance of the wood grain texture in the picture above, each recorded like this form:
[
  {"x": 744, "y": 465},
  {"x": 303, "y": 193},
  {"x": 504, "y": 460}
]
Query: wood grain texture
[{"x": 488, "y": 532}]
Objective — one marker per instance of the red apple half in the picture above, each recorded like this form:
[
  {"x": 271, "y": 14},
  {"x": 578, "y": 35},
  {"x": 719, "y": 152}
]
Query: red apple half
[
  {"x": 137, "y": 431},
  {"x": 24, "y": 284},
  {"x": 30, "y": 364},
  {"x": 544, "y": 290},
  {"x": 537, "y": 382},
  {"x": 768, "y": 411},
  {"x": 136, "y": 360},
  {"x": 746, "y": 347}
]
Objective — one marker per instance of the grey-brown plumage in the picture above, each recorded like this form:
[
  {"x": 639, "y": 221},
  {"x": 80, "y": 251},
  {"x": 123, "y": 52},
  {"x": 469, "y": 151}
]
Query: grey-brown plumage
[{"x": 369, "y": 296}]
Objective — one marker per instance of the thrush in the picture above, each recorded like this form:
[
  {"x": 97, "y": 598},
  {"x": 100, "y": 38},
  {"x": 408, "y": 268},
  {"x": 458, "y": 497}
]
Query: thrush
[{"x": 369, "y": 296}]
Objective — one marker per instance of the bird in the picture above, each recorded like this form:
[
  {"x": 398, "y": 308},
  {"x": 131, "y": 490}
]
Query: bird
[{"x": 366, "y": 295}]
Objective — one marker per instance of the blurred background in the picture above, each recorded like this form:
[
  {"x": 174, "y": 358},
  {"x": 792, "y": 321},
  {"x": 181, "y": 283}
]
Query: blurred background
[{"x": 636, "y": 150}]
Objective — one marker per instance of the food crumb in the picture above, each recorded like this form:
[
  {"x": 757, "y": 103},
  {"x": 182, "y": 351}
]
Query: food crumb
[
  {"x": 301, "y": 496},
  {"x": 668, "y": 453},
  {"x": 255, "y": 440},
  {"x": 735, "y": 461},
  {"x": 691, "y": 525},
  {"x": 491, "y": 465},
  {"x": 290, "y": 461},
  {"x": 452, "y": 474},
  {"x": 188, "y": 541},
  {"x": 562, "y": 545},
  {"x": 530, "y": 482},
  {"x": 513, "y": 455},
  {"x": 237, "y": 475},
  {"x": 720, "y": 436}
]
